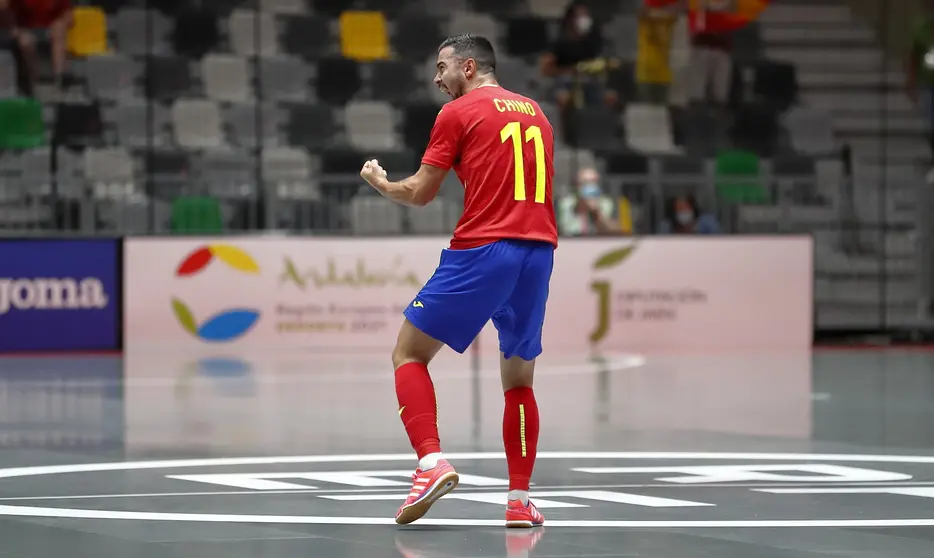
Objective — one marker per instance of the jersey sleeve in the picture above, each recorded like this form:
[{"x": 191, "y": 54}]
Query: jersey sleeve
[{"x": 445, "y": 142}]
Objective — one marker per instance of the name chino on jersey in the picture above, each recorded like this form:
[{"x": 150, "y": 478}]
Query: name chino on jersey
[{"x": 501, "y": 147}]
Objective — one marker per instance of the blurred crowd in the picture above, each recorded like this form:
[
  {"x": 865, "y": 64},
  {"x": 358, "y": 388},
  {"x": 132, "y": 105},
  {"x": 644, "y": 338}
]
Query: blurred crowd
[{"x": 575, "y": 63}]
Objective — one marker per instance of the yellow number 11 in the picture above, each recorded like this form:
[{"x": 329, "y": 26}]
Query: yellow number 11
[{"x": 532, "y": 133}]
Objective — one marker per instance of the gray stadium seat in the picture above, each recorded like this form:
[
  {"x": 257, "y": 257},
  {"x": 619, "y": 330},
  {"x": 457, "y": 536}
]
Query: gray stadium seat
[
  {"x": 35, "y": 166},
  {"x": 227, "y": 173},
  {"x": 295, "y": 176},
  {"x": 810, "y": 130},
  {"x": 705, "y": 131},
  {"x": 131, "y": 122},
  {"x": 7, "y": 75},
  {"x": 226, "y": 78},
  {"x": 648, "y": 129},
  {"x": 310, "y": 125},
  {"x": 438, "y": 217},
  {"x": 242, "y": 28},
  {"x": 517, "y": 75},
  {"x": 443, "y": 9},
  {"x": 597, "y": 128},
  {"x": 240, "y": 123},
  {"x": 196, "y": 123},
  {"x": 479, "y": 24},
  {"x": 285, "y": 7},
  {"x": 370, "y": 125},
  {"x": 132, "y": 216},
  {"x": 622, "y": 32},
  {"x": 285, "y": 164},
  {"x": 370, "y": 214},
  {"x": 394, "y": 81},
  {"x": 110, "y": 173},
  {"x": 283, "y": 78},
  {"x": 549, "y": 9},
  {"x": 110, "y": 77},
  {"x": 131, "y": 25}
]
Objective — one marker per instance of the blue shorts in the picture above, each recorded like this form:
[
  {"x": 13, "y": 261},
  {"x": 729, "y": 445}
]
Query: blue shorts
[{"x": 506, "y": 281}]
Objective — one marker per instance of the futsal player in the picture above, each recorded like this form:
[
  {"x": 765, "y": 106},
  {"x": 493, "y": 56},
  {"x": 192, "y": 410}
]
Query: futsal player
[{"x": 498, "y": 265}]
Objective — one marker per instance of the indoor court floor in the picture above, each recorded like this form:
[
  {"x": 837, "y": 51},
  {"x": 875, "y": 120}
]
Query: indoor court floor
[{"x": 168, "y": 454}]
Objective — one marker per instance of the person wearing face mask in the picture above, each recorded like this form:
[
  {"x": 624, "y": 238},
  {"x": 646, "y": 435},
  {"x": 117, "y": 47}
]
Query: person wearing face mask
[
  {"x": 580, "y": 41},
  {"x": 588, "y": 211},
  {"x": 683, "y": 216}
]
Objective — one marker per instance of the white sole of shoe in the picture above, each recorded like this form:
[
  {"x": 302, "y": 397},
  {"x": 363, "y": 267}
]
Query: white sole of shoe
[{"x": 416, "y": 510}]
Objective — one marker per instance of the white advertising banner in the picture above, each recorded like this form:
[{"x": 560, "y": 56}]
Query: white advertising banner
[
  {"x": 642, "y": 295},
  {"x": 682, "y": 294},
  {"x": 327, "y": 293}
]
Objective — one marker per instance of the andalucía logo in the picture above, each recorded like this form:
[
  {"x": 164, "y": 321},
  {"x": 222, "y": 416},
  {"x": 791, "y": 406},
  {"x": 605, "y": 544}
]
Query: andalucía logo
[{"x": 225, "y": 325}]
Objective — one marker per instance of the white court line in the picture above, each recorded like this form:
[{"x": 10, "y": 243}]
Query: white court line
[
  {"x": 762, "y": 487},
  {"x": 41, "y": 470},
  {"x": 31, "y": 511},
  {"x": 67, "y": 513}
]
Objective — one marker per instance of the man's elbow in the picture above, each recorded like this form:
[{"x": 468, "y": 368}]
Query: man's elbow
[
  {"x": 423, "y": 196},
  {"x": 421, "y": 199}
]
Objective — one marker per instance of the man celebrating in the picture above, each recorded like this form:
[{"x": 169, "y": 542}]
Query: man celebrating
[{"x": 498, "y": 265}]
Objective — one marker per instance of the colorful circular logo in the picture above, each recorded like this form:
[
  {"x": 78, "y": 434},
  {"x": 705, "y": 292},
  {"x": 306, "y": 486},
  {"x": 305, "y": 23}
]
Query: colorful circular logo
[{"x": 226, "y": 325}]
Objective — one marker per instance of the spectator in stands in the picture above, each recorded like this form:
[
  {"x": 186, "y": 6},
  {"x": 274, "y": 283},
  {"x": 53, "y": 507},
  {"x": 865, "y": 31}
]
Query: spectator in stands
[
  {"x": 653, "y": 65},
  {"x": 711, "y": 56},
  {"x": 580, "y": 40},
  {"x": 919, "y": 69},
  {"x": 35, "y": 21},
  {"x": 683, "y": 216},
  {"x": 588, "y": 211}
]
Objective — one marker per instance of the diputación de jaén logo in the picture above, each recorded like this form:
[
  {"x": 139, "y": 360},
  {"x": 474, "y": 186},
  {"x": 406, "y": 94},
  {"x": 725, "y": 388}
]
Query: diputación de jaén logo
[
  {"x": 602, "y": 288},
  {"x": 226, "y": 325}
]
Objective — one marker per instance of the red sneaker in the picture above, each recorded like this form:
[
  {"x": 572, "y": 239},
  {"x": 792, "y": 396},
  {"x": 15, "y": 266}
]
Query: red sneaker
[
  {"x": 523, "y": 517},
  {"x": 427, "y": 487}
]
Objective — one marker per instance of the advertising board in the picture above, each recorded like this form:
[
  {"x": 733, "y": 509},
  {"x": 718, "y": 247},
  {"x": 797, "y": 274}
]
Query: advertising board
[
  {"x": 59, "y": 295},
  {"x": 348, "y": 294}
]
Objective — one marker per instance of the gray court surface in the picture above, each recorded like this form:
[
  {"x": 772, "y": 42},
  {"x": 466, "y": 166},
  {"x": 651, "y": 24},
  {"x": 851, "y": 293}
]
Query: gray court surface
[{"x": 217, "y": 454}]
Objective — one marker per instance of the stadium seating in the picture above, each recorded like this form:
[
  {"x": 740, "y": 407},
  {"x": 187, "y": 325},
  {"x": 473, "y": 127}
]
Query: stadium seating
[{"x": 202, "y": 113}]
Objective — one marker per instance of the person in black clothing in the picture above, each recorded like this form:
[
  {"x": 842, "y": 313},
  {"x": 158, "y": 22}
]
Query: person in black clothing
[{"x": 580, "y": 41}]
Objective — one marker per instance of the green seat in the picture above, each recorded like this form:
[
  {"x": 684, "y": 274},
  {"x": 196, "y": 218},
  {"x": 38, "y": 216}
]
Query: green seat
[
  {"x": 737, "y": 178},
  {"x": 197, "y": 215},
  {"x": 21, "y": 124}
]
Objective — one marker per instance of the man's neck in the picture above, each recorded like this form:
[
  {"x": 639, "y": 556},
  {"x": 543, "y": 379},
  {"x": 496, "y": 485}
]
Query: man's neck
[{"x": 482, "y": 82}]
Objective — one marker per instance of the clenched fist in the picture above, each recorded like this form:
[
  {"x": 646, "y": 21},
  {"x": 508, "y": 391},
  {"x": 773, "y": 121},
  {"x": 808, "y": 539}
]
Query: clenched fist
[{"x": 372, "y": 172}]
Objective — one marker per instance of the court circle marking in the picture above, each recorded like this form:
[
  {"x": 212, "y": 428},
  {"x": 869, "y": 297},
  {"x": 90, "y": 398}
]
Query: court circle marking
[{"x": 71, "y": 513}]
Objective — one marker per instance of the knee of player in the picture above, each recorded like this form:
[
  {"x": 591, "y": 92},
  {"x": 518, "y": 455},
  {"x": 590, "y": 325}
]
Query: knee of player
[{"x": 401, "y": 355}]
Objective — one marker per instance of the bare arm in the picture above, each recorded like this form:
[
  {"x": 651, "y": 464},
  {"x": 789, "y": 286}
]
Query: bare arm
[{"x": 415, "y": 191}]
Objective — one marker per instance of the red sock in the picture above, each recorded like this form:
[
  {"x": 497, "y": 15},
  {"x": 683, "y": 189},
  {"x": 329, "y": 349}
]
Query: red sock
[
  {"x": 520, "y": 436},
  {"x": 418, "y": 407}
]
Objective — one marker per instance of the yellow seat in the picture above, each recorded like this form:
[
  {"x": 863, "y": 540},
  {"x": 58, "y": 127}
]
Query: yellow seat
[
  {"x": 363, "y": 36},
  {"x": 88, "y": 34},
  {"x": 625, "y": 215}
]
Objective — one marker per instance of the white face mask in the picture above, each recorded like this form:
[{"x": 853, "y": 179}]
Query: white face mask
[
  {"x": 584, "y": 23},
  {"x": 685, "y": 217}
]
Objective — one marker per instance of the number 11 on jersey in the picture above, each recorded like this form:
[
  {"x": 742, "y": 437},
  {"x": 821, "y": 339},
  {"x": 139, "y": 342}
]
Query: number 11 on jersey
[{"x": 534, "y": 134}]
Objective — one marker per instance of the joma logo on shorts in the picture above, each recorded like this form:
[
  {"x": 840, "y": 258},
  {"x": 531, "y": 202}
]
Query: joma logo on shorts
[{"x": 51, "y": 294}]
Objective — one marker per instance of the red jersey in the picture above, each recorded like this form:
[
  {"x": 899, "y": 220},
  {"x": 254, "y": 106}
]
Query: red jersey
[{"x": 501, "y": 147}]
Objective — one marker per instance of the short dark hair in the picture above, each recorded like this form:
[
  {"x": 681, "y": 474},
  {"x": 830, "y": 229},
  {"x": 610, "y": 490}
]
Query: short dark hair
[{"x": 468, "y": 45}]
